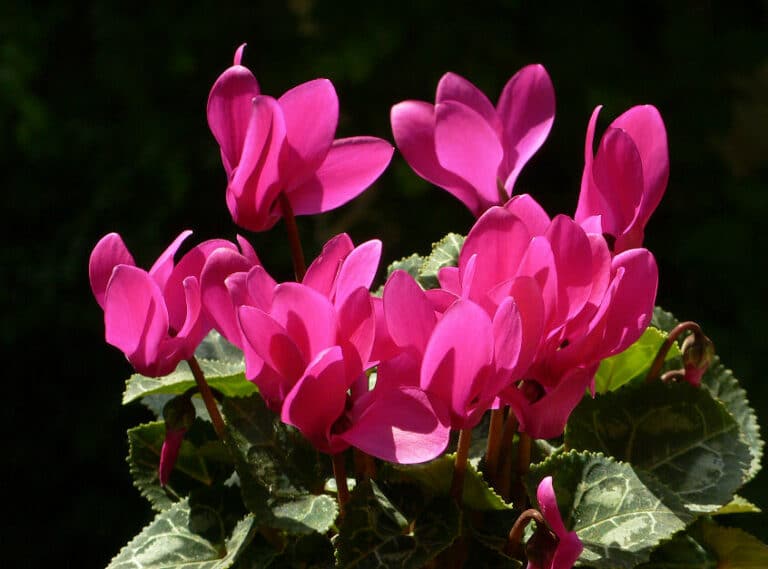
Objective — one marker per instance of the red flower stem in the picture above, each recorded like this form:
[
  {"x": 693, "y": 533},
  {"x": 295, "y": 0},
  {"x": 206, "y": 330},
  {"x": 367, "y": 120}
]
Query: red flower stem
[
  {"x": 658, "y": 362},
  {"x": 504, "y": 474},
  {"x": 493, "y": 447},
  {"x": 208, "y": 399},
  {"x": 340, "y": 475},
  {"x": 521, "y": 469},
  {"x": 365, "y": 468},
  {"x": 460, "y": 466},
  {"x": 514, "y": 546},
  {"x": 297, "y": 253}
]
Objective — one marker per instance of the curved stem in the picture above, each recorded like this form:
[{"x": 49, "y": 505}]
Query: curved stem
[
  {"x": 208, "y": 399},
  {"x": 460, "y": 467},
  {"x": 674, "y": 334},
  {"x": 297, "y": 253},
  {"x": 514, "y": 546}
]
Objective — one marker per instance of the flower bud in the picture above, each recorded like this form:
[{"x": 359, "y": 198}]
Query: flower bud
[
  {"x": 698, "y": 352},
  {"x": 179, "y": 414}
]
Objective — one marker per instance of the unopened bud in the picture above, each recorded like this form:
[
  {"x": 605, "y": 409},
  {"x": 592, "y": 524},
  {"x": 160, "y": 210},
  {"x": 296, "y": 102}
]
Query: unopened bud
[
  {"x": 179, "y": 414},
  {"x": 698, "y": 353}
]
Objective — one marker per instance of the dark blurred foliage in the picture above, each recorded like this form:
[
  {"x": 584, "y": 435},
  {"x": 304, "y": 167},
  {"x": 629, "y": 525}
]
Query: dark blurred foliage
[{"x": 102, "y": 122}]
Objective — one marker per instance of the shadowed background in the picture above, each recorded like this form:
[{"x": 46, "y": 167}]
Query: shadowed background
[{"x": 102, "y": 115}]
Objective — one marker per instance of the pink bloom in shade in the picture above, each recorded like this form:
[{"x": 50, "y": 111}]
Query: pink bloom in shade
[
  {"x": 155, "y": 317},
  {"x": 271, "y": 146},
  {"x": 555, "y": 547},
  {"x": 624, "y": 181},
  {"x": 307, "y": 347},
  {"x": 467, "y": 146},
  {"x": 169, "y": 453},
  {"x": 582, "y": 304}
]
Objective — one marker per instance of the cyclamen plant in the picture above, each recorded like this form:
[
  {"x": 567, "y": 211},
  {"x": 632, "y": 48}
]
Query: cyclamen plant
[{"x": 518, "y": 375}]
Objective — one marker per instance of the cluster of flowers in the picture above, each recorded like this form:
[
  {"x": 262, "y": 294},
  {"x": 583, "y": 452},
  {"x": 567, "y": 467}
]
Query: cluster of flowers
[{"x": 524, "y": 320}]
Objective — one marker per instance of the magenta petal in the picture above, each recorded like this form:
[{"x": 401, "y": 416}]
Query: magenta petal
[
  {"x": 229, "y": 111},
  {"x": 317, "y": 400},
  {"x": 568, "y": 551},
  {"x": 307, "y": 316},
  {"x": 269, "y": 342},
  {"x": 162, "y": 268},
  {"x": 254, "y": 184},
  {"x": 507, "y": 335},
  {"x": 311, "y": 112},
  {"x": 321, "y": 274},
  {"x": 590, "y": 201},
  {"x": 135, "y": 316},
  {"x": 469, "y": 147},
  {"x": 527, "y": 111},
  {"x": 413, "y": 126},
  {"x": 357, "y": 328},
  {"x": 545, "y": 494},
  {"x": 500, "y": 240},
  {"x": 453, "y": 87},
  {"x": 352, "y": 164},
  {"x": 109, "y": 252},
  {"x": 404, "y": 426},
  {"x": 216, "y": 298},
  {"x": 169, "y": 453},
  {"x": 247, "y": 250},
  {"x": 260, "y": 287},
  {"x": 193, "y": 329},
  {"x": 530, "y": 213},
  {"x": 409, "y": 314},
  {"x": 358, "y": 270},
  {"x": 573, "y": 257},
  {"x": 457, "y": 358},
  {"x": 646, "y": 128}
]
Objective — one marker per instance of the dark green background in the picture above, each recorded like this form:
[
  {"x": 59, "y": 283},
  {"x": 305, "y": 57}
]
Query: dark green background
[{"x": 102, "y": 122}]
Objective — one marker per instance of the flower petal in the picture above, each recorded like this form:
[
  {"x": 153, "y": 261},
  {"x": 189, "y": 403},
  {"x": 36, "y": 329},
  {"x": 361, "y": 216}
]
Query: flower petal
[
  {"x": 109, "y": 252},
  {"x": 530, "y": 213},
  {"x": 311, "y": 112},
  {"x": 404, "y": 426},
  {"x": 351, "y": 166},
  {"x": 467, "y": 145},
  {"x": 527, "y": 111},
  {"x": 321, "y": 274},
  {"x": 229, "y": 110},
  {"x": 358, "y": 270},
  {"x": 413, "y": 126},
  {"x": 454, "y": 87},
  {"x": 162, "y": 268},
  {"x": 135, "y": 317},
  {"x": 409, "y": 315}
]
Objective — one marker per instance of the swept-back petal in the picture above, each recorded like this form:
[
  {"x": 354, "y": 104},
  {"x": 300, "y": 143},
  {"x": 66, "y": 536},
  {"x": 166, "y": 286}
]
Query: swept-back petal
[
  {"x": 317, "y": 400},
  {"x": 457, "y": 358},
  {"x": 469, "y": 147},
  {"x": 545, "y": 495},
  {"x": 351, "y": 165},
  {"x": 453, "y": 87},
  {"x": 530, "y": 213},
  {"x": 229, "y": 110},
  {"x": 311, "y": 112},
  {"x": 527, "y": 111},
  {"x": 357, "y": 328},
  {"x": 358, "y": 270},
  {"x": 260, "y": 287},
  {"x": 413, "y": 126},
  {"x": 307, "y": 316},
  {"x": 409, "y": 314},
  {"x": 109, "y": 252},
  {"x": 162, "y": 268},
  {"x": 573, "y": 257},
  {"x": 590, "y": 200},
  {"x": 404, "y": 426},
  {"x": 135, "y": 317},
  {"x": 321, "y": 274}
]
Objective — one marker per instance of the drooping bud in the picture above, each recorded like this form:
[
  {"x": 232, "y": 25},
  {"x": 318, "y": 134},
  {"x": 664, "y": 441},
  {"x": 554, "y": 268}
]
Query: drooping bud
[
  {"x": 698, "y": 353},
  {"x": 179, "y": 414}
]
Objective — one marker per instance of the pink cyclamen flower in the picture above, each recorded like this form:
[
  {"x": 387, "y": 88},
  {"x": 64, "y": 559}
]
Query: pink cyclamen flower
[
  {"x": 308, "y": 346},
  {"x": 169, "y": 452},
  {"x": 271, "y": 146},
  {"x": 467, "y": 146},
  {"x": 583, "y": 304},
  {"x": 624, "y": 181},
  {"x": 155, "y": 317},
  {"x": 554, "y": 547}
]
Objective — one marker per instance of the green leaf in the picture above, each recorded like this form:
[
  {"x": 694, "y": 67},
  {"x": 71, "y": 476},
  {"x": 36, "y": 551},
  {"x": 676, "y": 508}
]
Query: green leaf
[
  {"x": 663, "y": 320},
  {"x": 734, "y": 548},
  {"x": 202, "y": 461},
  {"x": 311, "y": 551},
  {"x": 738, "y": 505},
  {"x": 436, "y": 476},
  {"x": 410, "y": 265},
  {"x": 619, "y": 515},
  {"x": 678, "y": 433},
  {"x": 725, "y": 387},
  {"x": 633, "y": 362},
  {"x": 681, "y": 552},
  {"x": 374, "y": 533},
  {"x": 221, "y": 362},
  {"x": 306, "y": 514},
  {"x": 170, "y": 541},
  {"x": 445, "y": 253}
]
